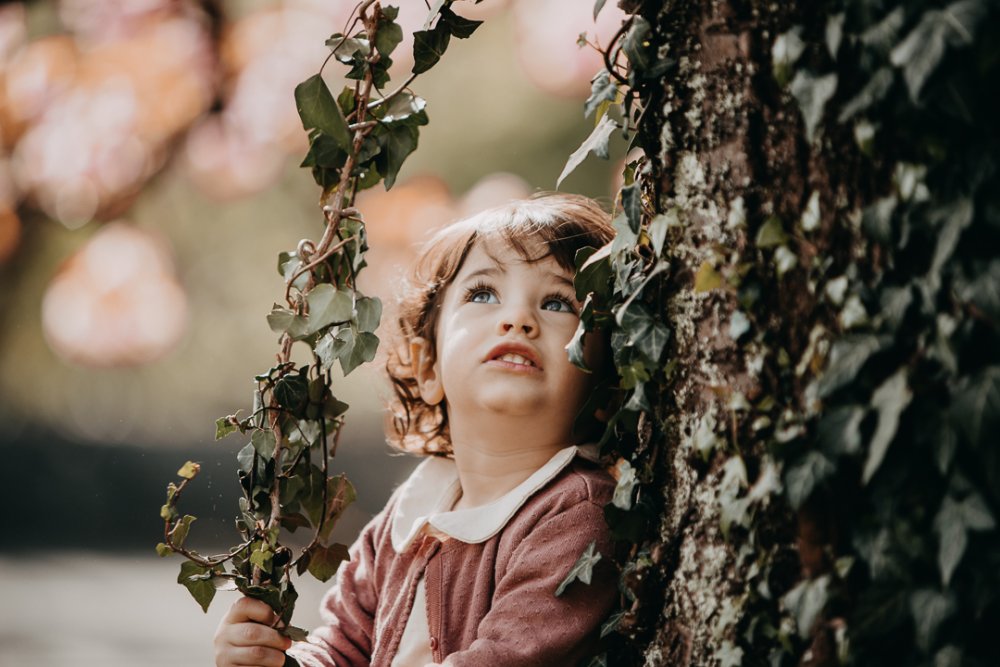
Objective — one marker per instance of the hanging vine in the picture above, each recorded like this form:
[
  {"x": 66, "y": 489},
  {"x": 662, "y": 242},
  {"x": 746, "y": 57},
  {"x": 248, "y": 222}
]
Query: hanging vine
[{"x": 357, "y": 139}]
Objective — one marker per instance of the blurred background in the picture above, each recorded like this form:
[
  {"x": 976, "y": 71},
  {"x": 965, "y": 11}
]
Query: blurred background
[{"x": 148, "y": 180}]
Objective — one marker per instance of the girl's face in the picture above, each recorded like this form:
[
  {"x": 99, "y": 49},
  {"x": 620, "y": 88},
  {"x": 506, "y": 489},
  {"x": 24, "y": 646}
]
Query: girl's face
[{"x": 501, "y": 339}]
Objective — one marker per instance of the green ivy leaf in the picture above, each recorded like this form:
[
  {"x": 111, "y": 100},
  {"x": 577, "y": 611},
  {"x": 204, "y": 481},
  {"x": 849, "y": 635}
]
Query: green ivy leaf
[
  {"x": 596, "y": 143},
  {"x": 847, "y": 357},
  {"x": 806, "y": 601},
  {"x": 282, "y": 320},
  {"x": 637, "y": 46},
  {"x": 771, "y": 234},
  {"x": 889, "y": 400},
  {"x": 399, "y": 141},
  {"x": 602, "y": 89},
  {"x": 189, "y": 470},
  {"x": 325, "y": 561},
  {"x": 930, "y": 608},
  {"x": 582, "y": 570},
  {"x": 920, "y": 53},
  {"x": 223, "y": 427},
  {"x": 369, "y": 314},
  {"x": 193, "y": 577},
  {"x": 839, "y": 430},
  {"x": 627, "y": 481},
  {"x": 458, "y": 26},
  {"x": 804, "y": 475},
  {"x": 328, "y": 305},
  {"x": 812, "y": 93},
  {"x": 162, "y": 550},
  {"x": 429, "y": 46},
  {"x": 388, "y": 36},
  {"x": 873, "y": 92},
  {"x": 598, "y": 6},
  {"x": 317, "y": 109},
  {"x": 180, "y": 532},
  {"x": 975, "y": 408},
  {"x": 785, "y": 52},
  {"x": 263, "y": 443},
  {"x": 291, "y": 392}
]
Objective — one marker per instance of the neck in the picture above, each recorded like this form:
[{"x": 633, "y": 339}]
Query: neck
[{"x": 490, "y": 466}]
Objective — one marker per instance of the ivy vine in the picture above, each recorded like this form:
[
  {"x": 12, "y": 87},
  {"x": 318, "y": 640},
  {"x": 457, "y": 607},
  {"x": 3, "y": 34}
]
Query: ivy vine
[{"x": 357, "y": 139}]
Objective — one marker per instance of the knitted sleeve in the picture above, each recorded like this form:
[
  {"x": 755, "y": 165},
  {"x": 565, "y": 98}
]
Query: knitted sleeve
[
  {"x": 527, "y": 624},
  {"x": 348, "y": 609}
]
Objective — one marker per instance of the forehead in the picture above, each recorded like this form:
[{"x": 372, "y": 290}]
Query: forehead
[{"x": 492, "y": 253}]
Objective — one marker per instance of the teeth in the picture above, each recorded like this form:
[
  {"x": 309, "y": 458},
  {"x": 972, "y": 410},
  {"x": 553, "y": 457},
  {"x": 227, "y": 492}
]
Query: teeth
[{"x": 515, "y": 358}]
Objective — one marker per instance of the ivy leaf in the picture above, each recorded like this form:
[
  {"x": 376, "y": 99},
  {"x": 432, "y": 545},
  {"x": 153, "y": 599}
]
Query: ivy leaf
[
  {"x": 181, "y": 530},
  {"x": 984, "y": 290},
  {"x": 930, "y": 608},
  {"x": 583, "y": 570},
  {"x": 223, "y": 427},
  {"x": 627, "y": 481},
  {"x": 339, "y": 494},
  {"x": 889, "y": 400},
  {"x": 602, "y": 89},
  {"x": 458, "y": 26},
  {"x": 369, "y": 313},
  {"x": 920, "y": 53},
  {"x": 975, "y": 408},
  {"x": 328, "y": 305},
  {"x": 847, "y": 357},
  {"x": 839, "y": 431},
  {"x": 575, "y": 346},
  {"x": 404, "y": 105},
  {"x": 803, "y": 476},
  {"x": 596, "y": 143},
  {"x": 348, "y": 49},
  {"x": 399, "y": 141},
  {"x": 263, "y": 443},
  {"x": 324, "y": 561},
  {"x": 632, "y": 205},
  {"x": 317, "y": 109},
  {"x": 429, "y": 46},
  {"x": 707, "y": 278},
  {"x": 636, "y": 45},
  {"x": 952, "y": 523},
  {"x": 955, "y": 216},
  {"x": 189, "y": 470},
  {"x": 245, "y": 458},
  {"x": 291, "y": 391},
  {"x": 806, "y": 601},
  {"x": 771, "y": 234},
  {"x": 388, "y": 36},
  {"x": 598, "y": 6},
  {"x": 651, "y": 345},
  {"x": 282, "y": 320},
  {"x": 785, "y": 52},
  {"x": 812, "y": 93},
  {"x": 434, "y": 10},
  {"x": 874, "y": 91},
  {"x": 192, "y": 577}
]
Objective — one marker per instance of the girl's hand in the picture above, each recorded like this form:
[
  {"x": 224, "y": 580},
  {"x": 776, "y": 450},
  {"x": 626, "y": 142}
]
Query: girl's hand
[{"x": 245, "y": 638}]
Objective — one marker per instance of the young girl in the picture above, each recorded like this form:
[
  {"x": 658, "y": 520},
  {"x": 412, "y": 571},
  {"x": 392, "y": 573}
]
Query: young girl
[{"x": 461, "y": 566}]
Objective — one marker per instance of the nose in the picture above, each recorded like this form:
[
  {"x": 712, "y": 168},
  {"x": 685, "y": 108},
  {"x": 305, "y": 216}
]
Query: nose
[{"x": 520, "y": 318}]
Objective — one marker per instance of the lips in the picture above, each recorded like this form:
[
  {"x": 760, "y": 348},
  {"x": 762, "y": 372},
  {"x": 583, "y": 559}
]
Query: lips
[{"x": 514, "y": 353}]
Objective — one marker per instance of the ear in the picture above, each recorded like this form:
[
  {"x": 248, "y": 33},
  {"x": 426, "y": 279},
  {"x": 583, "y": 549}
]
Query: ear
[{"x": 425, "y": 371}]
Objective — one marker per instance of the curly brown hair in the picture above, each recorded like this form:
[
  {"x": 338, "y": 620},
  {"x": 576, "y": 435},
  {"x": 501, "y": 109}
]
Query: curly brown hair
[{"x": 563, "y": 223}]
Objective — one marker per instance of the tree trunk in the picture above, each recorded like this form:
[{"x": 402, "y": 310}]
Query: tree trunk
[{"x": 787, "y": 217}]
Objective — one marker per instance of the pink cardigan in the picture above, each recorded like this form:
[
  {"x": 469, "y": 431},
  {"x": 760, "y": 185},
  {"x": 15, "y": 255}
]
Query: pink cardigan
[{"x": 488, "y": 603}]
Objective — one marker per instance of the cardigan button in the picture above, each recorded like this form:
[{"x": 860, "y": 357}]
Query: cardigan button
[{"x": 434, "y": 643}]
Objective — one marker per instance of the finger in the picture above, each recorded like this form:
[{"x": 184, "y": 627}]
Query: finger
[
  {"x": 257, "y": 656},
  {"x": 255, "y": 634},
  {"x": 249, "y": 609}
]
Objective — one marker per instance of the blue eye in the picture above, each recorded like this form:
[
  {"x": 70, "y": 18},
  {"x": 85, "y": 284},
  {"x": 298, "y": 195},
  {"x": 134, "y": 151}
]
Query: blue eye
[
  {"x": 481, "y": 293},
  {"x": 558, "y": 303}
]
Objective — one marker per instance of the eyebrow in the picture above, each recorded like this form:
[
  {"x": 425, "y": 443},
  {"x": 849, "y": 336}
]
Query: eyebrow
[{"x": 494, "y": 270}]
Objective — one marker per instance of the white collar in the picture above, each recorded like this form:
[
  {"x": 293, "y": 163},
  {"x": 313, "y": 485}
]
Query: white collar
[{"x": 429, "y": 493}]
